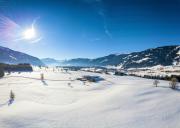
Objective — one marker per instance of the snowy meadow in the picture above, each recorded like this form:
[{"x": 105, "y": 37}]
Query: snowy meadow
[{"x": 62, "y": 101}]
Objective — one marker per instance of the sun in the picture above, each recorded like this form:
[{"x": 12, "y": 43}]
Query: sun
[{"x": 29, "y": 33}]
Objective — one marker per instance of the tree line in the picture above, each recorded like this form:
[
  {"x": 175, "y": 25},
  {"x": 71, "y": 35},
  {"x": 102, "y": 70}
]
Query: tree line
[{"x": 14, "y": 68}]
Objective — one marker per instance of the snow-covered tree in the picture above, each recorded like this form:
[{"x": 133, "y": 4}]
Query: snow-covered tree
[
  {"x": 12, "y": 95},
  {"x": 42, "y": 76},
  {"x": 173, "y": 83},
  {"x": 156, "y": 82}
]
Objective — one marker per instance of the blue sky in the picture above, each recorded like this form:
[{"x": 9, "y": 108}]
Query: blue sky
[{"x": 91, "y": 28}]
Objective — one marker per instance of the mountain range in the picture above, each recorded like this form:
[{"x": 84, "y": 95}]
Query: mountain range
[
  {"x": 9, "y": 56},
  {"x": 165, "y": 55}
]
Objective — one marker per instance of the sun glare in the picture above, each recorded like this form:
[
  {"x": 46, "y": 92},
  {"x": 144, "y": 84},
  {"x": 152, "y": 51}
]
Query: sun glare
[{"x": 29, "y": 33}]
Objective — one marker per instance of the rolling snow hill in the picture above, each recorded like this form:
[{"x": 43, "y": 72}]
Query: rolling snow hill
[{"x": 116, "y": 102}]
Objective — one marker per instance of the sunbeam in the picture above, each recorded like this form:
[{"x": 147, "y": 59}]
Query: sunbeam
[{"x": 10, "y": 31}]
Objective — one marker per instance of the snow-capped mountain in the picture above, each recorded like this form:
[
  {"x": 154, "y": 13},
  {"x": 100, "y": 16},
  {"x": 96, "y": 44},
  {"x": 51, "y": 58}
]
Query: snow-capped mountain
[
  {"x": 50, "y": 61},
  {"x": 166, "y": 55},
  {"x": 14, "y": 57}
]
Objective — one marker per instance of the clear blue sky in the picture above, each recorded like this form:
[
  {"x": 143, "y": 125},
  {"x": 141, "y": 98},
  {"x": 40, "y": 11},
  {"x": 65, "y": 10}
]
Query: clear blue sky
[{"x": 92, "y": 28}]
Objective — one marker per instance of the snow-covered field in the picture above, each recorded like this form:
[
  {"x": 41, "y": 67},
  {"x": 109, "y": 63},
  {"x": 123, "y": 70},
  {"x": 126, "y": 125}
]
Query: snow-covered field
[
  {"x": 158, "y": 70},
  {"x": 63, "y": 102}
]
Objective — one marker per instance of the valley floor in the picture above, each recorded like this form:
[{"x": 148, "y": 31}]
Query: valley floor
[{"x": 61, "y": 101}]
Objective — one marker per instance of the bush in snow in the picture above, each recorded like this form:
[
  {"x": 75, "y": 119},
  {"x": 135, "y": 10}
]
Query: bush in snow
[
  {"x": 156, "y": 82},
  {"x": 173, "y": 83}
]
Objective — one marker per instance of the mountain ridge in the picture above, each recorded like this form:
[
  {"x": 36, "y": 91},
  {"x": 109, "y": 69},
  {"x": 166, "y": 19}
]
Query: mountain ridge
[
  {"x": 163, "y": 55},
  {"x": 10, "y": 56}
]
